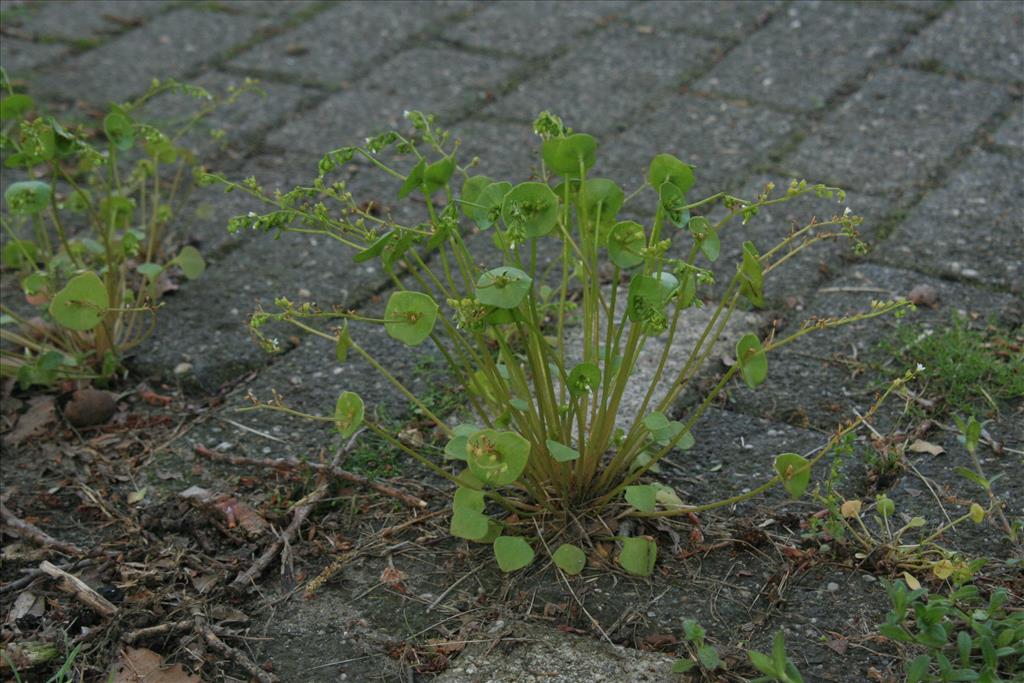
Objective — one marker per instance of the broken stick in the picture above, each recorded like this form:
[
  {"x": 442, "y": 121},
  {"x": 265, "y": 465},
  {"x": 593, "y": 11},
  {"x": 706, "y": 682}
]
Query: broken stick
[
  {"x": 74, "y": 585},
  {"x": 332, "y": 470},
  {"x": 33, "y": 533}
]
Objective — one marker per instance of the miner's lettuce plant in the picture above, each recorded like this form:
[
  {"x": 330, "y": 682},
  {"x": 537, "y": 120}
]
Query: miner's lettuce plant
[
  {"x": 543, "y": 447},
  {"x": 87, "y": 229}
]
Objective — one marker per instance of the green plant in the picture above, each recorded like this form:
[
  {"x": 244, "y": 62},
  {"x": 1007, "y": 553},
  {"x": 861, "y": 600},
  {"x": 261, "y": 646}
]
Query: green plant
[
  {"x": 965, "y": 638},
  {"x": 776, "y": 666},
  {"x": 703, "y": 655},
  {"x": 87, "y": 232},
  {"x": 544, "y": 445},
  {"x": 964, "y": 367}
]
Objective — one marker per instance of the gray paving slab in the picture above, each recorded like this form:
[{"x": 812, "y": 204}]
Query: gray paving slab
[
  {"x": 77, "y": 20},
  {"x": 806, "y": 53},
  {"x": 168, "y": 46},
  {"x": 722, "y": 140},
  {"x": 19, "y": 57},
  {"x": 924, "y": 6},
  {"x": 270, "y": 8},
  {"x": 720, "y": 18},
  {"x": 975, "y": 38},
  {"x": 1011, "y": 133},
  {"x": 896, "y": 131},
  {"x": 240, "y": 123},
  {"x": 337, "y": 44},
  {"x": 507, "y": 151},
  {"x": 514, "y": 27},
  {"x": 448, "y": 81},
  {"x": 806, "y": 386},
  {"x": 607, "y": 79},
  {"x": 972, "y": 228},
  {"x": 204, "y": 324}
]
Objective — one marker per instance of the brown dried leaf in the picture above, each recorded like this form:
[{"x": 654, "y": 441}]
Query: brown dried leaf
[
  {"x": 139, "y": 665},
  {"x": 922, "y": 446},
  {"x": 40, "y": 415}
]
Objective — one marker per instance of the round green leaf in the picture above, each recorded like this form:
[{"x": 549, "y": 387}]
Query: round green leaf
[
  {"x": 191, "y": 262},
  {"x": 119, "y": 129},
  {"x": 471, "y": 190},
  {"x": 560, "y": 452},
  {"x": 487, "y": 207},
  {"x": 15, "y": 106},
  {"x": 643, "y": 498},
  {"x": 752, "y": 360},
  {"x": 638, "y": 555},
  {"x": 19, "y": 252},
  {"x": 656, "y": 421},
  {"x": 673, "y": 204},
  {"x": 512, "y": 553},
  {"x": 584, "y": 379},
  {"x": 151, "y": 271},
  {"x": 348, "y": 413},
  {"x": 666, "y": 168},
  {"x": 570, "y": 559},
  {"x": 626, "y": 243},
  {"x": 648, "y": 295},
  {"x": 795, "y": 473},
  {"x": 82, "y": 303},
  {"x": 564, "y": 156},
  {"x": 497, "y": 458},
  {"x": 468, "y": 499},
  {"x": 28, "y": 196},
  {"x": 531, "y": 208},
  {"x": 503, "y": 287},
  {"x": 410, "y": 316},
  {"x": 469, "y": 524}
]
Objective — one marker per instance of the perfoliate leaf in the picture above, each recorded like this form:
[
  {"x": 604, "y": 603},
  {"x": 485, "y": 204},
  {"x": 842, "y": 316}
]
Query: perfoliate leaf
[
  {"x": 560, "y": 452},
  {"x": 752, "y": 275},
  {"x": 568, "y": 156},
  {"x": 570, "y": 559},
  {"x": 638, "y": 555},
  {"x": 503, "y": 287},
  {"x": 752, "y": 360},
  {"x": 191, "y": 262},
  {"x": 512, "y": 553},
  {"x": 530, "y": 208},
  {"x": 795, "y": 473},
  {"x": 497, "y": 458},
  {"x": 666, "y": 168},
  {"x": 643, "y": 498},
  {"x": 81, "y": 304},
  {"x": 28, "y": 196},
  {"x": 413, "y": 180},
  {"x": 348, "y": 413},
  {"x": 410, "y": 317},
  {"x": 625, "y": 244},
  {"x": 119, "y": 130}
]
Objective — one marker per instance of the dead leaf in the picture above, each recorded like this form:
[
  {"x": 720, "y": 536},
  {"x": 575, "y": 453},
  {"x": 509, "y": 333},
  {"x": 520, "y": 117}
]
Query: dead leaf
[
  {"x": 26, "y": 603},
  {"x": 392, "y": 576},
  {"x": 922, "y": 446},
  {"x": 839, "y": 645},
  {"x": 136, "y": 496},
  {"x": 40, "y": 415},
  {"x": 139, "y": 665}
]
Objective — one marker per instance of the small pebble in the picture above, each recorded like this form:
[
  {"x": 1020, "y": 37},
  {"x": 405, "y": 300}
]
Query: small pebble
[
  {"x": 832, "y": 587},
  {"x": 868, "y": 578},
  {"x": 182, "y": 369}
]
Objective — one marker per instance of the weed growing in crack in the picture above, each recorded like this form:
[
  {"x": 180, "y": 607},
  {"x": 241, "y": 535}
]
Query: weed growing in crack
[
  {"x": 544, "y": 456},
  {"x": 89, "y": 237}
]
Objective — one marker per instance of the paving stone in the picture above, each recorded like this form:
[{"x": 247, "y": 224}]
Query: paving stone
[
  {"x": 240, "y": 122},
  {"x": 806, "y": 53},
  {"x": 168, "y": 46},
  {"x": 721, "y": 18},
  {"x": 77, "y": 20},
  {"x": 434, "y": 79},
  {"x": 792, "y": 283},
  {"x": 974, "y": 38},
  {"x": 972, "y": 228},
  {"x": 514, "y": 26},
  {"x": 1011, "y": 133},
  {"x": 722, "y": 140},
  {"x": 563, "y": 658},
  {"x": 896, "y": 131},
  {"x": 808, "y": 383},
  {"x": 335, "y": 45},
  {"x": 21, "y": 56},
  {"x": 205, "y": 322},
  {"x": 507, "y": 151},
  {"x": 271, "y": 8},
  {"x": 928, "y": 7},
  {"x": 589, "y": 86}
]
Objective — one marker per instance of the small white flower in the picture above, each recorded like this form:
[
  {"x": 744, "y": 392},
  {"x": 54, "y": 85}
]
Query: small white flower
[
  {"x": 920, "y": 367},
  {"x": 847, "y": 212},
  {"x": 252, "y": 214},
  {"x": 368, "y": 140},
  {"x": 405, "y": 114}
]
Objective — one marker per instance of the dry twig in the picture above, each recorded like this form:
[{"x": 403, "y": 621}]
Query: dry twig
[
  {"x": 33, "y": 533},
  {"x": 74, "y": 585}
]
